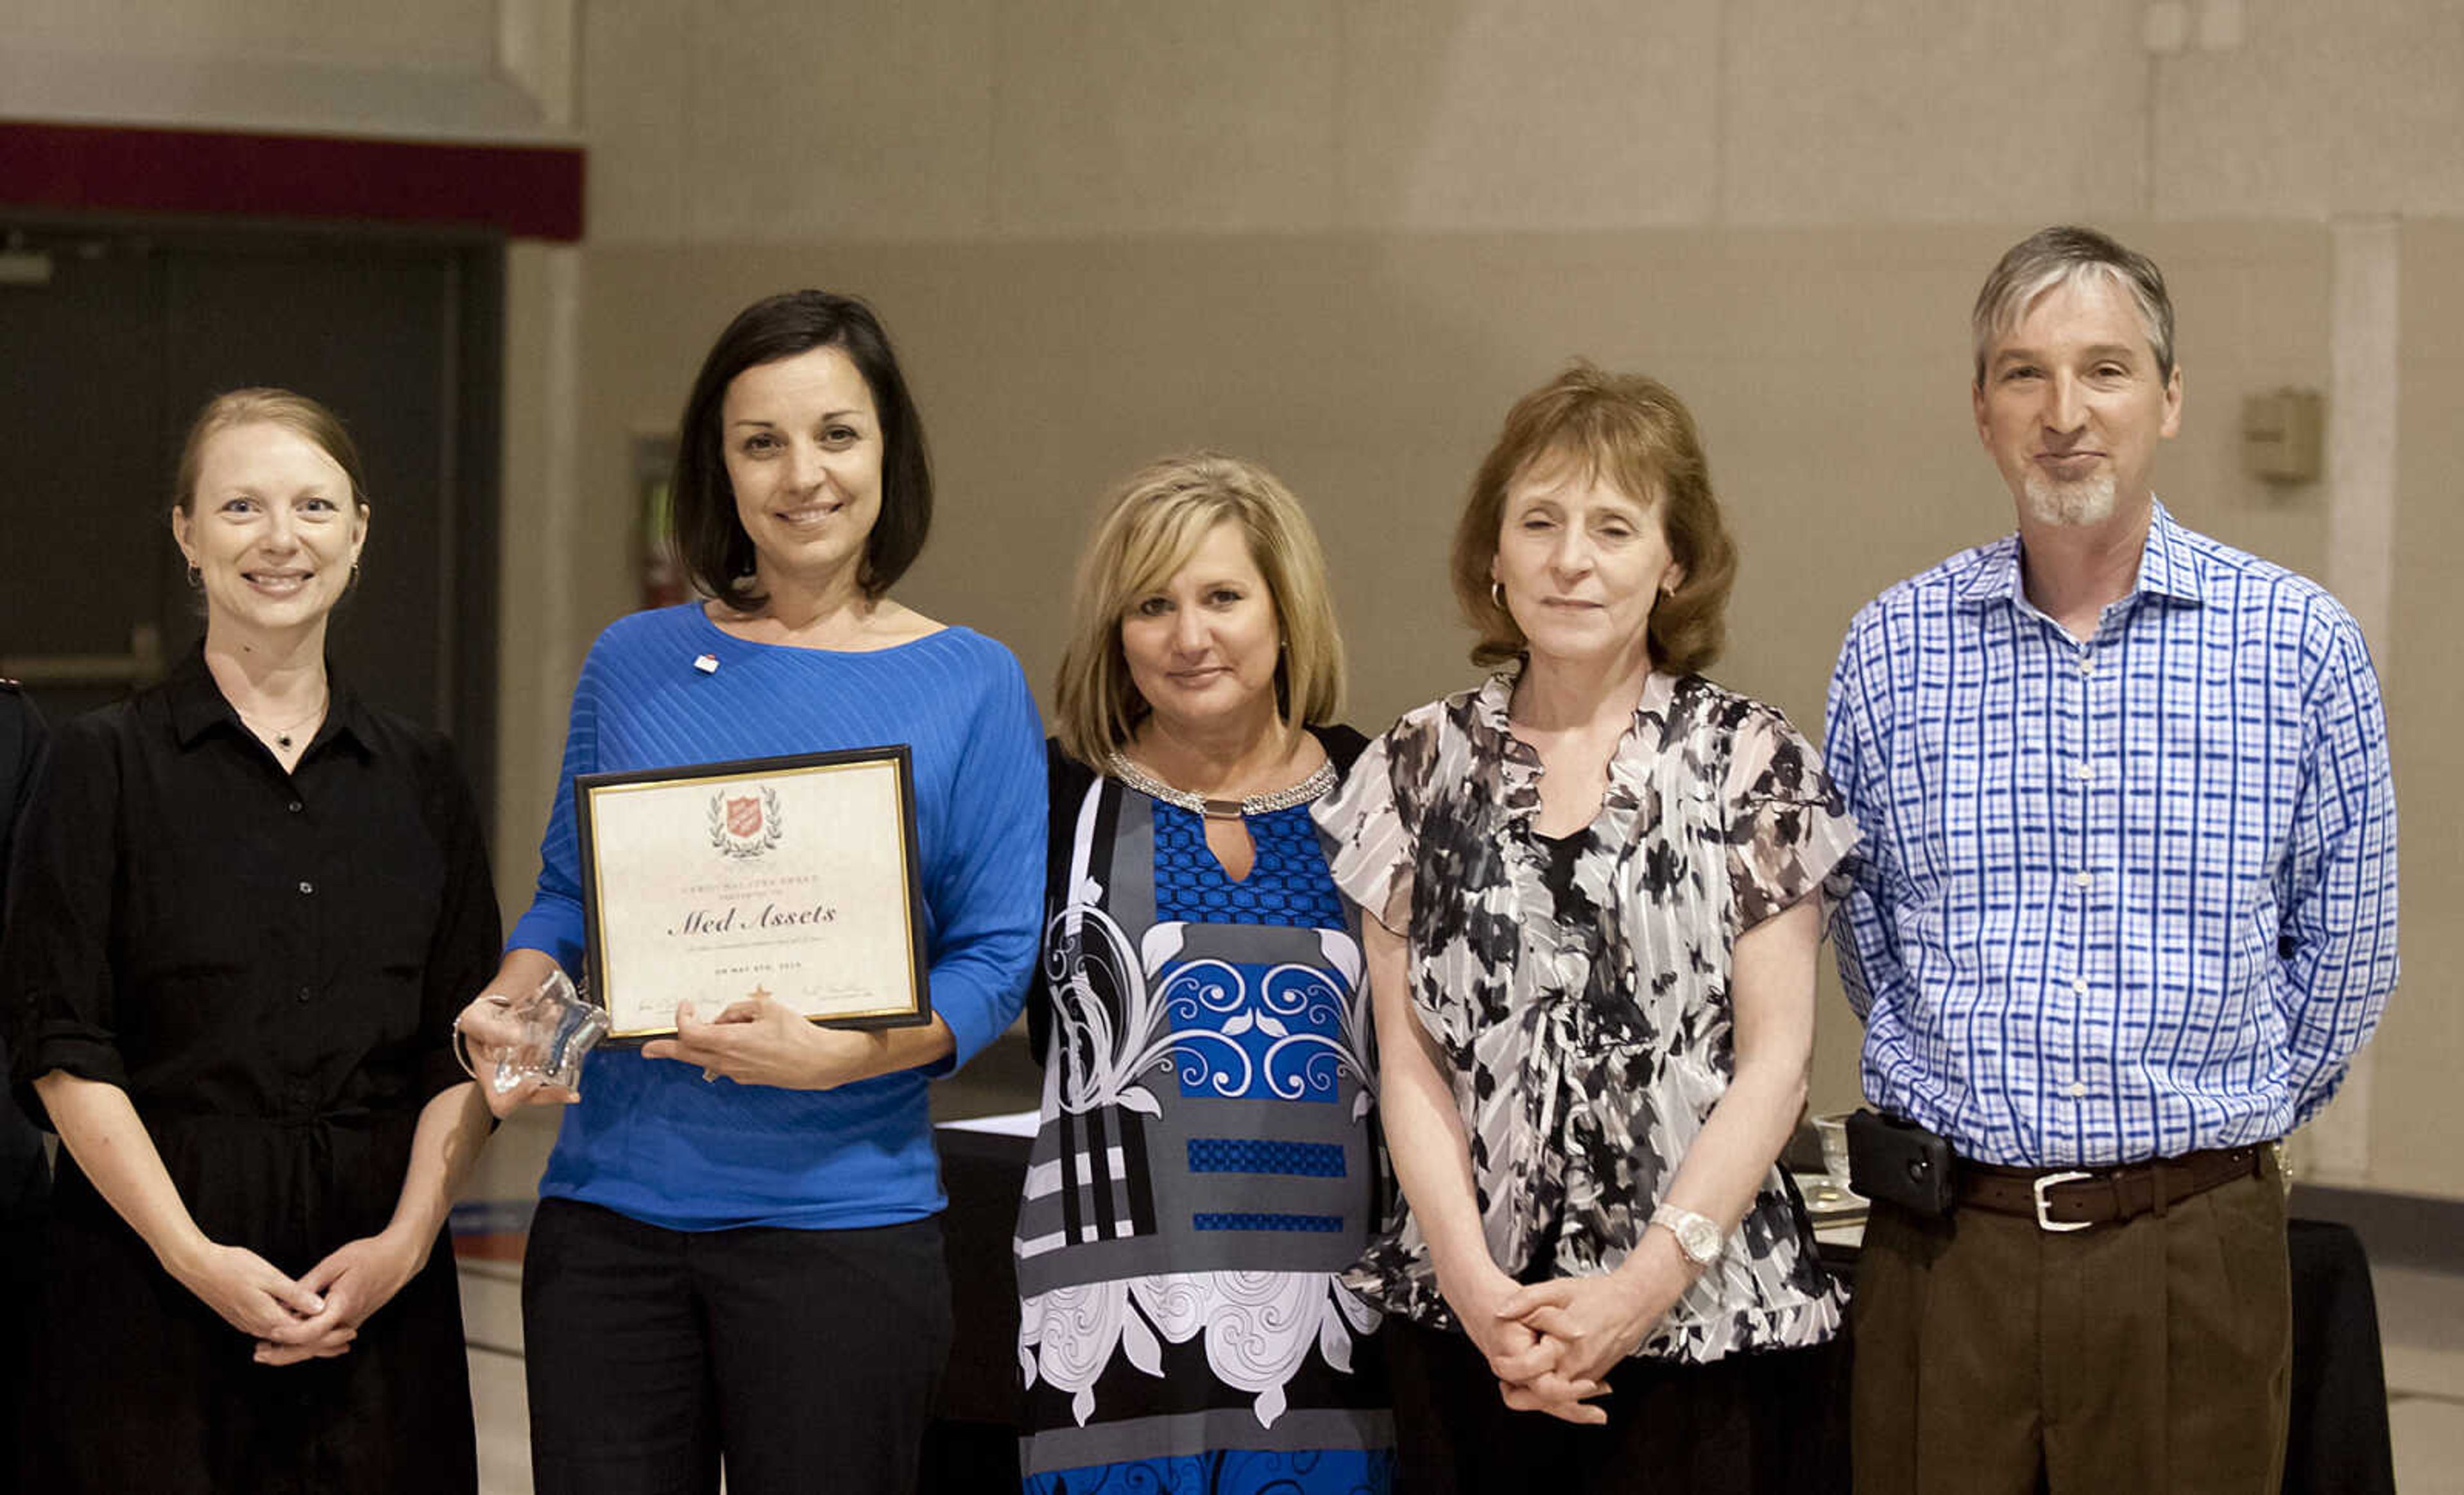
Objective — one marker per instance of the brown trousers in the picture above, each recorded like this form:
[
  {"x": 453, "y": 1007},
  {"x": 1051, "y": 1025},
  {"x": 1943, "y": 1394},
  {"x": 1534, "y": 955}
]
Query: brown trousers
[{"x": 1994, "y": 1358}]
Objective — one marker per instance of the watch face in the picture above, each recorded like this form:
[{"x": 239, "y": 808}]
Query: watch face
[{"x": 1700, "y": 1238}]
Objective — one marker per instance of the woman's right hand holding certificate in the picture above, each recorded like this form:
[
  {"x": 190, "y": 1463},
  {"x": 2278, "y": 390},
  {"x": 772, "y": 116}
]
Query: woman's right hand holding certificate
[{"x": 763, "y": 1041}]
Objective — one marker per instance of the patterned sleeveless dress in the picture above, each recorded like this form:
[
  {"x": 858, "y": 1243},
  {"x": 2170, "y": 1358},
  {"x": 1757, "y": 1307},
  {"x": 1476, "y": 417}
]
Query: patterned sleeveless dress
[{"x": 1206, "y": 1167}]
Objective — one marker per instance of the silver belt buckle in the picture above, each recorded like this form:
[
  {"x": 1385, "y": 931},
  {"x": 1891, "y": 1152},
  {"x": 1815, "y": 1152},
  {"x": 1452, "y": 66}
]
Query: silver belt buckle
[{"x": 2044, "y": 1218}]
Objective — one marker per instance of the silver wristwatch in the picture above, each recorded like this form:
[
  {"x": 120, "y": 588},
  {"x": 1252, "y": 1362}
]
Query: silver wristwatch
[{"x": 1696, "y": 1235}]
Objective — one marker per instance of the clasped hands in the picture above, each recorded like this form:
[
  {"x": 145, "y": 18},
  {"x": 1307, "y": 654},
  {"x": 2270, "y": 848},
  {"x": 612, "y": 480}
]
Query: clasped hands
[
  {"x": 1551, "y": 1344},
  {"x": 313, "y": 1318}
]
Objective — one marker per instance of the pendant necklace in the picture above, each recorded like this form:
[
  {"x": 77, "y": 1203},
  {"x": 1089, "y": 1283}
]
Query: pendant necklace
[{"x": 283, "y": 735}]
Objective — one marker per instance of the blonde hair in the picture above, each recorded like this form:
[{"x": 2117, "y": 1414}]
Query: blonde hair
[
  {"x": 1151, "y": 524},
  {"x": 1633, "y": 433},
  {"x": 297, "y": 413}
]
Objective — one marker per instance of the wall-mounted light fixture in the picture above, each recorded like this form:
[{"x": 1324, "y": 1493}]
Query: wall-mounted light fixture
[{"x": 2281, "y": 436}]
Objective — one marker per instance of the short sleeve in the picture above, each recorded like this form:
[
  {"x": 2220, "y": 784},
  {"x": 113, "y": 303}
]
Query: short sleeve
[
  {"x": 63, "y": 907},
  {"x": 1789, "y": 831},
  {"x": 1370, "y": 842}
]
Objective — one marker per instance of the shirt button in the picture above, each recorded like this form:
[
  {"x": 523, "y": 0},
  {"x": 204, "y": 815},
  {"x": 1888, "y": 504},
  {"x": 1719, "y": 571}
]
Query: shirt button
[
  {"x": 2076, "y": 1090},
  {"x": 2083, "y": 878},
  {"x": 295, "y": 806},
  {"x": 305, "y": 993},
  {"x": 2087, "y": 663},
  {"x": 2078, "y": 987},
  {"x": 306, "y": 886},
  {"x": 2084, "y": 771}
]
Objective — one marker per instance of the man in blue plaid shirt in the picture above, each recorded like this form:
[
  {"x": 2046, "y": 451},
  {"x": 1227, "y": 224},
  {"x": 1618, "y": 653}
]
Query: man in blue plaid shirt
[{"x": 2127, "y": 911}]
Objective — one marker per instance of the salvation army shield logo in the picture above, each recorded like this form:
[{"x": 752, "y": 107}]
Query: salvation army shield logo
[{"x": 745, "y": 824}]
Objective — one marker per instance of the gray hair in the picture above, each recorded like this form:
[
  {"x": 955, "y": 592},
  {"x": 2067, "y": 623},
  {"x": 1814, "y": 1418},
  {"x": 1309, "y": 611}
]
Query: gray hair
[{"x": 2063, "y": 254}]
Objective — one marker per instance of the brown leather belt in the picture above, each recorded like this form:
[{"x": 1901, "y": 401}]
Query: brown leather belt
[{"x": 2065, "y": 1200}]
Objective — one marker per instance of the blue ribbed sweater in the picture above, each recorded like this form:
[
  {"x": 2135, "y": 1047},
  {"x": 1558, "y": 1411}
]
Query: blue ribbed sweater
[{"x": 650, "y": 1139}]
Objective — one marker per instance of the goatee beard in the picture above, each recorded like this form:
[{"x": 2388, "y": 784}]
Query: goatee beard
[{"x": 2070, "y": 505}]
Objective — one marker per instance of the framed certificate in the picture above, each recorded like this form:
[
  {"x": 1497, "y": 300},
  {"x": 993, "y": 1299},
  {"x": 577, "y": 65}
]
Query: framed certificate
[{"x": 791, "y": 878}]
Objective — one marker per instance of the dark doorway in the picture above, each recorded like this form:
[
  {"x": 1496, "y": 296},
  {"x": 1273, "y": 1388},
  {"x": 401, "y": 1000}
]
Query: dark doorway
[{"x": 115, "y": 334}]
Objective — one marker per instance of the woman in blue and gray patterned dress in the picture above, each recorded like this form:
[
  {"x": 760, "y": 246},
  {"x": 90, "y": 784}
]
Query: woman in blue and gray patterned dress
[
  {"x": 1595, "y": 887},
  {"x": 1207, "y": 1165}
]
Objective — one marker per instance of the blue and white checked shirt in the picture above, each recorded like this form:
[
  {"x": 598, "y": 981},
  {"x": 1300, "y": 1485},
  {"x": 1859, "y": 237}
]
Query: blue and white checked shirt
[{"x": 2122, "y": 899}]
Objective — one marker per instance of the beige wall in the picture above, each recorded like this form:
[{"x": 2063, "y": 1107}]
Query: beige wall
[
  {"x": 1370, "y": 372},
  {"x": 830, "y": 121},
  {"x": 443, "y": 35},
  {"x": 1373, "y": 371},
  {"x": 2414, "y": 1127},
  {"x": 1339, "y": 238},
  {"x": 495, "y": 69},
  {"x": 1339, "y": 235}
]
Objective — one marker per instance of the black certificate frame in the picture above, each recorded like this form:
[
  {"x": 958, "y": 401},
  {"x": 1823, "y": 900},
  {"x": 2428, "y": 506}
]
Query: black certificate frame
[{"x": 694, "y": 777}]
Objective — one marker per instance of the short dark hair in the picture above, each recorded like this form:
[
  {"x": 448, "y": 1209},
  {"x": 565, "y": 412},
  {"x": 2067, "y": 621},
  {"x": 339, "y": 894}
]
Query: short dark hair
[
  {"x": 1633, "y": 433},
  {"x": 708, "y": 538}
]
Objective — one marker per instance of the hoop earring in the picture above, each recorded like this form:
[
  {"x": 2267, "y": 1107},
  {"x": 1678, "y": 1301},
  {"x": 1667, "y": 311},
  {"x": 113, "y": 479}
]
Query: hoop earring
[
  {"x": 1497, "y": 595},
  {"x": 196, "y": 578}
]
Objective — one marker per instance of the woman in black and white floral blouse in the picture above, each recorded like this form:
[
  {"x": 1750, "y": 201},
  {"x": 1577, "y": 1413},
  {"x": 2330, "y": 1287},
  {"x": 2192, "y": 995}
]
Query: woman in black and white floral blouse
[{"x": 1594, "y": 887}]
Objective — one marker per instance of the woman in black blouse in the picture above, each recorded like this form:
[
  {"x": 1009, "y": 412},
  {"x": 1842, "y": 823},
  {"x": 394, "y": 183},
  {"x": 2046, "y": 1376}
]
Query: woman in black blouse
[{"x": 247, "y": 906}]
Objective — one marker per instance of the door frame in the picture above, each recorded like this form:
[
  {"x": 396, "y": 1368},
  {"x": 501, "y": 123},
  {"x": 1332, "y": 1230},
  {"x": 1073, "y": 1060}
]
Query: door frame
[{"x": 470, "y": 490}]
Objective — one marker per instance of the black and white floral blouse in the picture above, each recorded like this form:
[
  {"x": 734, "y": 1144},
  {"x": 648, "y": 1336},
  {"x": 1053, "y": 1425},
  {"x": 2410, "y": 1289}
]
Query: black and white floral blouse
[{"x": 1588, "y": 1044}]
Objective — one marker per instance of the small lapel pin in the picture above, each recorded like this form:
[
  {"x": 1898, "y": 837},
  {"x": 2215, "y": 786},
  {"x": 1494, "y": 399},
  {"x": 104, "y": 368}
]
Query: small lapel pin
[{"x": 707, "y": 664}]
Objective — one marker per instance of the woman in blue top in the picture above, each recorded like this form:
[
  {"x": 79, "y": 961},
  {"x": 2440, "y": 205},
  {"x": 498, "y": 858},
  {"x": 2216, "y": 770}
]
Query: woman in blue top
[{"x": 737, "y": 1254}]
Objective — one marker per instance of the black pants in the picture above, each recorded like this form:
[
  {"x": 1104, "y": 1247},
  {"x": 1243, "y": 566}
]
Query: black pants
[
  {"x": 806, "y": 1358},
  {"x": 1763, "y": 1422},
  {"x": 21, "y": 1287}
]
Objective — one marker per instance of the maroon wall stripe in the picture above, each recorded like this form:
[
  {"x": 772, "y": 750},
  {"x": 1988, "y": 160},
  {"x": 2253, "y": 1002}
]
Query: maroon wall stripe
[{"x": 528, "y": 191}]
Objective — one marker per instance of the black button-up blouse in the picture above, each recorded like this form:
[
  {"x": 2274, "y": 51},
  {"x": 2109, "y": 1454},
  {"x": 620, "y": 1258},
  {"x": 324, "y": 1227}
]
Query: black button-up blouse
[{"x": 269, "y": 963}]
